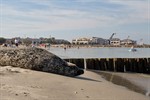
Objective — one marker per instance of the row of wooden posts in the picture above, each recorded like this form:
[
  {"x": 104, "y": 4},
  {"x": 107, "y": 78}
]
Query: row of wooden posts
[{"x": 138, "y": 65}]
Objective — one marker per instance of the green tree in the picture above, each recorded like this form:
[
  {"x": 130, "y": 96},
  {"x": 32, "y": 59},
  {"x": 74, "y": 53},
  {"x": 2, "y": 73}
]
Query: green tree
[
  {"x": 2, "y": 40},
  {"x": 27, "y": 41}
]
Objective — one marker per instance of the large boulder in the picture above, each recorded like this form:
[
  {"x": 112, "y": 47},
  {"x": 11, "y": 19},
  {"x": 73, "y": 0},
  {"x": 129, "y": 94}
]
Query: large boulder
[{"x": 37, "y": 59}]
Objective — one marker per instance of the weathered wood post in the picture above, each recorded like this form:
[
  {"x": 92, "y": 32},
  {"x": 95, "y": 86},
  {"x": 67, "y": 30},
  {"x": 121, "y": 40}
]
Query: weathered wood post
[
  {"x": 103, "y": 65},
  {"x": 145, "y": 65},
  {"x": 119, "y": 65},
  {"x": 110, "y": 64},
  {"x": 135, "y": 65},
  {"x": 139, "y": 65},
  {"x": 148, "y": 65},
  {"x": 85, "y": 63},
  {"x": 97, "y": 65},
  {"x": 90, "y": 64}
]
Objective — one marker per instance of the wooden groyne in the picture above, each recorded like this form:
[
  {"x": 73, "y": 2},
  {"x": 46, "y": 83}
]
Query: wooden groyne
[{"x": 138, "y": 65}]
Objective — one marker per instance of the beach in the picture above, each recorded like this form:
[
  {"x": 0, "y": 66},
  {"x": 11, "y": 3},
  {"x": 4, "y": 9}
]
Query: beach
[{"x": 25, "y": 84}]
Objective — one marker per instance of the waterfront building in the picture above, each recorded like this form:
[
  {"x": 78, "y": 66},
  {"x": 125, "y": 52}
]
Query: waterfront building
[
  {"x": 81, "y": 41},
  {"x": 74, "y": 41},
  {"x": 53, "y": 40},
  {"x": 93, "y": 40},
  {"x": 115, "y": 41},
  {"x": 61, "y": 41},
  {"x": 97, "y": 40},
  {"x": 128, "y": 42}
]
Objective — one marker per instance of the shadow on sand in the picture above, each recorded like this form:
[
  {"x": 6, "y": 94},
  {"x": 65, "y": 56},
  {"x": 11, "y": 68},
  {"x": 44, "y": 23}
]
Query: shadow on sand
[
  {"x": 87, "y": 79},
  {"x": 118, "y": 80}
]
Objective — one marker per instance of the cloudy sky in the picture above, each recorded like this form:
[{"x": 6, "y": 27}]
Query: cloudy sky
[{"x": 70, "y": 19}]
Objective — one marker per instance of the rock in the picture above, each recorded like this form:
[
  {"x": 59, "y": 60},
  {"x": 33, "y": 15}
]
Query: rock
[
  {"x": 75, "y": 92},
  {"x": 37, "y": 59}
]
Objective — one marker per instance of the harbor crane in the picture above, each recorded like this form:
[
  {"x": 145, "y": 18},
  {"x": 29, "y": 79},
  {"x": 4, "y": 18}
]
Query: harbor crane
[{"x": 111, "y": 38}]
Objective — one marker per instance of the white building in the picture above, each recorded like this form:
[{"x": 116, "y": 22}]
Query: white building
[
  {"x": 97, "y": 40},
  {"x": 128, "y": 42},
  {"x": 81, "y": 41},
  {"x": 115, "y": 41}
]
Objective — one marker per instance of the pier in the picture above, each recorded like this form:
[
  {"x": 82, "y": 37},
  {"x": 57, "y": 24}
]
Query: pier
[{"x": 136, "y": 65}]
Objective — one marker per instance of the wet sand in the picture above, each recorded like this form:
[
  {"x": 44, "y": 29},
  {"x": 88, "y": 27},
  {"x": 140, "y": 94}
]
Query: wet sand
[
  {"x": 137, "y": 82},
  {"x": 24, "y": 84}
]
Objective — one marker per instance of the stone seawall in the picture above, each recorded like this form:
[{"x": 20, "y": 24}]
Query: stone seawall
[
  {"x": 138, "y": 65},
  {"x": 37, "y": 59}
]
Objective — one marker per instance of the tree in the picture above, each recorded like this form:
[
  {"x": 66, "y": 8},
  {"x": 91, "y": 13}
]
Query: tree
[
  {"x": 27, "y": 41},
  {"x": 2, "y": 40}
]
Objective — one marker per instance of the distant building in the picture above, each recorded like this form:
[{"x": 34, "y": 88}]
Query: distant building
[
  {"x": 93, "y": 40},
  {"x": 74, "y": 41},
  {"x": 81, "y": 41},
  {"x": 36, "y": 42},
  {"x": 128, "y": 42},
  {"x": 115, "y": 41},
  {"x": 52, "y": 40},
  {"x": 61, "y": 41},
  {"x": 97, "y": 40}
]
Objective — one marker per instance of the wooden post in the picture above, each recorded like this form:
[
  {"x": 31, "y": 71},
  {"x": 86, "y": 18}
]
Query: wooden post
[
  {"x": 139, "y": 65},
  {"x": 110, "y": 65},
  {"x": 85, "y": 64}
]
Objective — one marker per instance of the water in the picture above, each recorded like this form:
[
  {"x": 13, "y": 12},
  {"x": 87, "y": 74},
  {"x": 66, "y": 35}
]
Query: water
[{"x": 107, "y": 52}]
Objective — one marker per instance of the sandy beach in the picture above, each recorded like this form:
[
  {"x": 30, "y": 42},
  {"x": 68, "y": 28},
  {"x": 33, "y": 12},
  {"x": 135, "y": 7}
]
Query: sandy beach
[{"x": 24, "y": 84}]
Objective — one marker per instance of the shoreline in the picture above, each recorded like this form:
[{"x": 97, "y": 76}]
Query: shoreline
[
  {"x": 80, "y": 46},
  {"x": 24, "y": 84},
  {"x": 97, "y": 46}
]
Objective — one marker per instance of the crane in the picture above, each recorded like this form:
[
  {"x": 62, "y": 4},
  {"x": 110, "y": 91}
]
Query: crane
[{"x": 111, "y": 38}]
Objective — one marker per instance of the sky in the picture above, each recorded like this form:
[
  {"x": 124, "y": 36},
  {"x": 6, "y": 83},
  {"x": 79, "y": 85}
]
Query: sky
[{"x": 69, "y": 19}]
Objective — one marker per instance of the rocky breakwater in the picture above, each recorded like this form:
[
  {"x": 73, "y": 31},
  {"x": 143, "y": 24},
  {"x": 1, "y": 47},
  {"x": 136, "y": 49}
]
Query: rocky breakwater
[{"x": 37, "y": 59}]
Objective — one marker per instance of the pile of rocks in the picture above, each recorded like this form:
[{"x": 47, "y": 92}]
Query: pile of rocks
[{"x": 37, "y": 59}]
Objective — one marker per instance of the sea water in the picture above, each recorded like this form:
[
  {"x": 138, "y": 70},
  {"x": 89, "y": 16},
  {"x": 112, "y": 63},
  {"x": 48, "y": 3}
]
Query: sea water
[{"x": 100, "y": 52}]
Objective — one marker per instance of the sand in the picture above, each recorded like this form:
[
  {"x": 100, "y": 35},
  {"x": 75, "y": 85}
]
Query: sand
[{"x": 24, "y": 84}]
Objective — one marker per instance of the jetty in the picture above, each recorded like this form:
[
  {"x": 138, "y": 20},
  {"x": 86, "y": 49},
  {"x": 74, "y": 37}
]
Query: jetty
[{"x": 136, "y": 65}]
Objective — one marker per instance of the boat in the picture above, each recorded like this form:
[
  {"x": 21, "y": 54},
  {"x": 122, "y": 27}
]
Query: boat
[{"x": 132, "y": 49}]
